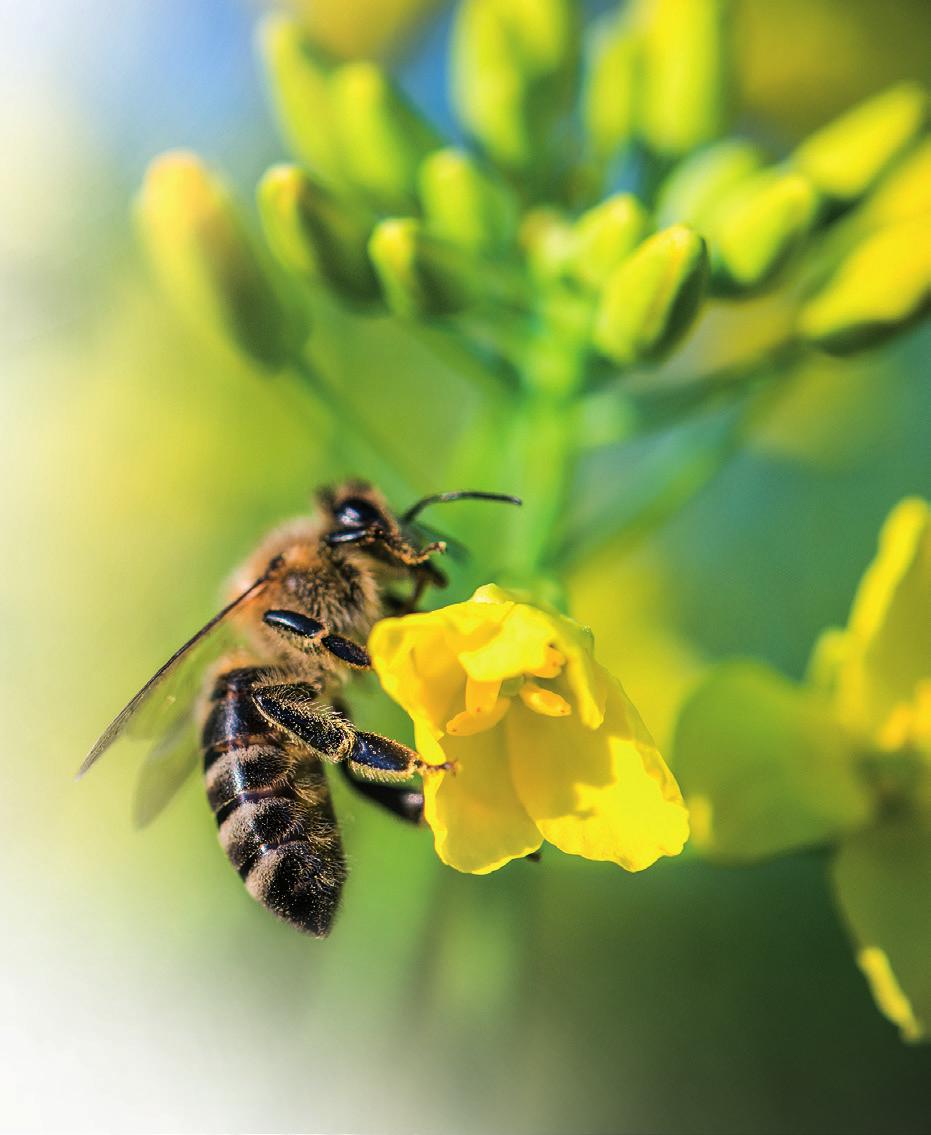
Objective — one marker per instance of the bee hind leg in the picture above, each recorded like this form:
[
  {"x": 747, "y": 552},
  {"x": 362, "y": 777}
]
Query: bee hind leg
[
  {"x": 405, "y": 803},
  {"x": 294, "y": 706}
]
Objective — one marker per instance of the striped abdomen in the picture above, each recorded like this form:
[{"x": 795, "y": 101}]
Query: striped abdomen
[{"x": 275, "y": 819}]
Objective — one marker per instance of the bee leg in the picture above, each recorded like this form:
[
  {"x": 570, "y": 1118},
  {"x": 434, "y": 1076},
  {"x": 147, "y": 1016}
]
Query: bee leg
[
  {"x": 294, "y": 707},
  {"x": 293, "y": 625},
  {"x": 401, "y": 801},
  {"x": 405, "y": 803}
]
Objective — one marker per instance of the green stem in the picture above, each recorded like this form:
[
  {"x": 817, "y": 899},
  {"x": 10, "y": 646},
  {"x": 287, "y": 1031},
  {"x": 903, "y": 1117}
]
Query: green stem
[{"x": 360, "y": 446}]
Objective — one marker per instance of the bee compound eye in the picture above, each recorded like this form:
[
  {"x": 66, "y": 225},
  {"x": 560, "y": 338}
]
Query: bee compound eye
[{"x": 356, "y": 512}]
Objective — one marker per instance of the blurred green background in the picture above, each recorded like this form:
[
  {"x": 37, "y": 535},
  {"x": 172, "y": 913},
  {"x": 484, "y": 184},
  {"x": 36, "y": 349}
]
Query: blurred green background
[{"x": 140, "y": 987}]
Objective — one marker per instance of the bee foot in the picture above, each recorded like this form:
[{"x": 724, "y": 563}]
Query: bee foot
[{"x": 424, "y": 767}]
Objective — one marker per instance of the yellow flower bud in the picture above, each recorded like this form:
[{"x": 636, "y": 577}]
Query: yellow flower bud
[
  {"x": 683, "y": 98},
  {"x": 382, "y": 139},
  {"x": 651, "y": 298},
  {"x": 759, "y": 226},
  {"x": 316, "y": 235},
  {"x": 609, "y": 93},
  {"x": 604, "y": 235},
  {"x": 845, "y": 158},
  {"x": 298, "y": 77},
  {"x": 513, "y": 66},
  {"x": 882, "y": 286},
  {"x": 466, "y": 204},
  {"x": 420, "y": 275},
  {"x": 208, "y": 262},
  {"x": 904, "y": 193}
]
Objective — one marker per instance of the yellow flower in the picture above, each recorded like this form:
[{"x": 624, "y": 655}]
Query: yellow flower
[
  {"x": 883, "y": 657},
  {"x": 770, "y": 766},
  {"x": 543, "y": 741}
]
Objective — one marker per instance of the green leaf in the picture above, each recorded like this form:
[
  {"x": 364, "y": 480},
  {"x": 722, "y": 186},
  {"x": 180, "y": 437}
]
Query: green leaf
[
  {"x": 847, "y": 157},
  {"x": 881, "y": 288},
  {"x": 208, "y": 262},
  {"x": 763, "y": 766},
  {"x": 319, "y": 237},
  {"x": 882, "y": 881},
  {"x": 651, "y": 298}
]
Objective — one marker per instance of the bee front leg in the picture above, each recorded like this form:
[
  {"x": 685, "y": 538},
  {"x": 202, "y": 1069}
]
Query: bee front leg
[{"x": 311, "y": 632}]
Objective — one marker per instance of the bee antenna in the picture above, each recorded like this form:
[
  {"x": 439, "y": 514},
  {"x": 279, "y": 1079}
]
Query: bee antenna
[{"x": 465, "y": 494}]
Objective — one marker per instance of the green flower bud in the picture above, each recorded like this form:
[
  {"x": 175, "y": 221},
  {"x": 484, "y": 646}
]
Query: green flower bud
[
  {"x": 683, "y": 98},
  {"x": 759, "y": 226},
  {"x": 609, "y": 92},
  {"x": 604, "y": 236},
  {"x": 382, "y": 138},
  {"x": 651, "y": 298},
  {"x": 882, "y": 286},
  {"x": 548, "y": 239},
  {"x": 695, "y": 188},
  {"x": 316, "y": 235},
  {"x": 298, "y": 77},
  {"x": 845, "y": 158},
  {"x": 513, "y": 69},
  {"x": 467, "y": 205},
  {"x": 208, "y": 262},
  {"x": 420, "y": 275}
]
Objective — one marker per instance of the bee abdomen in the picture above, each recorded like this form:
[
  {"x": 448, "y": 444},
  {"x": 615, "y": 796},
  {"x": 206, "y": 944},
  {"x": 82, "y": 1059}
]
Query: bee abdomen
[{"x": 275, "y": 821}]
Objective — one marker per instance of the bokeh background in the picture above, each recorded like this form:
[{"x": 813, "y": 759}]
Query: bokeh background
[{"x": 140, "y": 988}]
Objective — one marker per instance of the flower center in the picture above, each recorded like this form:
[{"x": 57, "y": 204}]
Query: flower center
[{"x": 486, "y": 703}]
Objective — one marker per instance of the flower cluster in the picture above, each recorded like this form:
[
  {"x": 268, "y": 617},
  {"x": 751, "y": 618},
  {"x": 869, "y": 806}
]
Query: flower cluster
[
  {"x": 542, "y": 741},
  {"x": 525, "y": 245},
  {"x": 769, "y": 766}
]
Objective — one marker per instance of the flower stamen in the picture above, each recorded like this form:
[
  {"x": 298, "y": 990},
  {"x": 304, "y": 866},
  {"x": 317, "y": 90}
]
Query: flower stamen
[
  {"x": 467, "y": 724},
  {"x": 552, "y": 666},
  {"x": 481, "y": 697},
  {"x": 545, "y": 702}
]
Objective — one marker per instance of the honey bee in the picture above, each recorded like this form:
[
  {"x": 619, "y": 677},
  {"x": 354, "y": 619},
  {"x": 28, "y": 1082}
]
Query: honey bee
[{"x": 269, "y": 714}]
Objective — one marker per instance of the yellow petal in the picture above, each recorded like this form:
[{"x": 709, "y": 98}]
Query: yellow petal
[
  {"x": 481, "y": 697},
  {"x": 415, "y": 657},
  {"x": 467, "y": 724},
  {"x": 554, "y": 663},
  {"x": 478, "y": 822},
  {"x": 603, "y": 794},
  {"x": 889, "y": 652},
  {"x": 545, "y": 702}
]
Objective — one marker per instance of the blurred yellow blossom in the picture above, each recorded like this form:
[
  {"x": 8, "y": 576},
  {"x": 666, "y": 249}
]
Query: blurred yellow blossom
[
  {"x": 769, "y": 766},
  {"x": 544, "y": 743}
]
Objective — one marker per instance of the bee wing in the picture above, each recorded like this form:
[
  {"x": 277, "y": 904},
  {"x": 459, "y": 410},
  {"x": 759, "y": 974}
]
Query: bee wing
[
  {"x": 165, "y": 769},
  {"x": 171, "y": 700},
  {"x": 158, "y": 699}
]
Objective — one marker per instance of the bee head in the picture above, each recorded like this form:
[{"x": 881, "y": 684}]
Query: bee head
[{"x": 357, "y": 514}]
